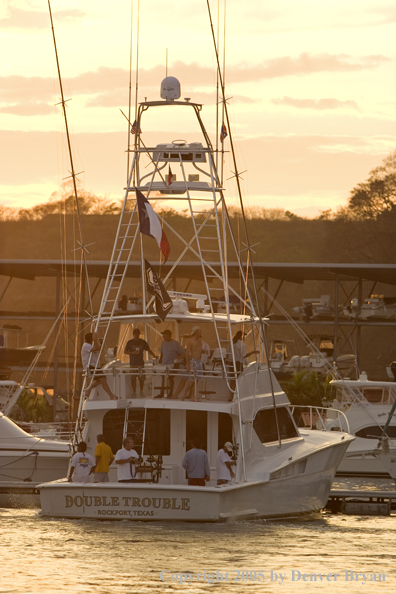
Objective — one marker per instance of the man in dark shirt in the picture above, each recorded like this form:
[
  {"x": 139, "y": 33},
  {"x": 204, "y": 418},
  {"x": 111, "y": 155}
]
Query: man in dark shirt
[{"x": 135, "y": 349}]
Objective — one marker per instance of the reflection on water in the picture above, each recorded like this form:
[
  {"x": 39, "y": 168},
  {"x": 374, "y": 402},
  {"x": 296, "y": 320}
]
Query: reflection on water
[
  {"x": 364, "y": 484},
  {"x": 84, "y": 556}
]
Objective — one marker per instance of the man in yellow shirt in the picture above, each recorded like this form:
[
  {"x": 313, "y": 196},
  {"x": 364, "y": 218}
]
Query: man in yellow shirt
[{"x": 104, "y": 459}]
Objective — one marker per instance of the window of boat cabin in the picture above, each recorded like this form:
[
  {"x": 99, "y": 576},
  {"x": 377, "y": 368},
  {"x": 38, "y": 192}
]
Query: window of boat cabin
[
  {"x": 157, "y": 438},
  {"x": 197, "y": 427},
  {"x": 375, "y": 431},
  {"x": 373, "y": 395},
  {"x": 265, "y": 425}
]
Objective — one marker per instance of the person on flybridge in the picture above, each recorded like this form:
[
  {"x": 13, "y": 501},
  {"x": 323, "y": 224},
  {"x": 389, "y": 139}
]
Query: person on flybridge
[
  {"x": 171, "y": 354},
  {"x": 91, "y": 348},
  {"x": 195, "y": 348},
  {"x": 135, "y": 349}
]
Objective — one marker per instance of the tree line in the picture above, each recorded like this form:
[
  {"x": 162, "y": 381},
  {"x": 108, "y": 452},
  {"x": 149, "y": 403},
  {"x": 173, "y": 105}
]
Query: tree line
[{"x": 361, "y": 231}]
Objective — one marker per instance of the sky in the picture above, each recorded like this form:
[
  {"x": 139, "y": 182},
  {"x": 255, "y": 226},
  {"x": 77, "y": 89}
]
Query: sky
[{"x": 311, "y": 87}]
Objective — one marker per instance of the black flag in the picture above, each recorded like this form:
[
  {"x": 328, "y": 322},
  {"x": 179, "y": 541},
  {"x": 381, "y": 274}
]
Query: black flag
[{"x": 163, "y": 303}]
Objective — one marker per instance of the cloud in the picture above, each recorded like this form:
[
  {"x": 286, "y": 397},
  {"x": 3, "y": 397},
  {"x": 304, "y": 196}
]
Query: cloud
[
  {"x": 19, "y": 89},
  {"x": 318, "y": 104},
  {"x": 304, "y": 64},
  {"x": 32, "y": 108},
  {"x": 18, "y": 18}
]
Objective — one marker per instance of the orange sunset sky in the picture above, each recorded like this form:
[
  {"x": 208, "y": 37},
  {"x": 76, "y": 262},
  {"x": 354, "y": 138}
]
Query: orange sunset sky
[{"x": 312, "y": 87}]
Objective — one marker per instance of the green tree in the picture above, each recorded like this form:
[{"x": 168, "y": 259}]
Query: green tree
[
  {"x": 309, "y": 389},
  {"x": 377, "y": 195},
  {"x": 31, "y": 408}
]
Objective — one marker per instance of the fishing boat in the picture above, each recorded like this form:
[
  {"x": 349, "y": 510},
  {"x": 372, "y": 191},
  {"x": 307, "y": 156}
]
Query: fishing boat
[
  {"x": 280, "y": 470},
  {"x": 25, "y": 462},
  {"x": 368, "y": 408},
  {"x": 315, "y": 308},
  {"x": 376, "y": 306}
]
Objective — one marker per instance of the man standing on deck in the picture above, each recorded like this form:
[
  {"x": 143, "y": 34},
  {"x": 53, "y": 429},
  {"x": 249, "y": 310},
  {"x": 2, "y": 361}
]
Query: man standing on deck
[
  {"x": 196, "y": 464},
  {"x": 169, "y": 351},
  {"x": 81, "y": 466},
  {"x": 224, "y": 464},
  {"x": 104, "y": 459},
  {"x": 126, "y": 460},
  {"x": 135, "y": 349}
]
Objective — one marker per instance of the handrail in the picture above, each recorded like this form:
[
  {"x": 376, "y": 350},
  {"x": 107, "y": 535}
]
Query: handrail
[{"x": 320, "y": 413}]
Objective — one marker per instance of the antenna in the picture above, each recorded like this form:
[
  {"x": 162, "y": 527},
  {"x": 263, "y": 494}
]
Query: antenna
[
  {"x": 130, "y": 94},
  {"x": 166, "y": 63}
]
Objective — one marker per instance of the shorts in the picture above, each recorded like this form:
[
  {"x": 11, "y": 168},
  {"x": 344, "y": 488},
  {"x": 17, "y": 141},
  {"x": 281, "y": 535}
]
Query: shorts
[
  {"x": 197, "y": 365},
  {"x": 95, "y": 373},
  {"x": 101, "y": 477},
  {"x": 141, "y": 377}
]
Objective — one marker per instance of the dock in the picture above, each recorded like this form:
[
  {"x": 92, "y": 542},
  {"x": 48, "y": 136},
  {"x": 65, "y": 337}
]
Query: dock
[{"x": 366, "y": 503}]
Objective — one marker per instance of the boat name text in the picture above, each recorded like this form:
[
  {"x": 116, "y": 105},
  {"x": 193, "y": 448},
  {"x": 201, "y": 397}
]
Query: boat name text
[{"x": 182, "y": 504}]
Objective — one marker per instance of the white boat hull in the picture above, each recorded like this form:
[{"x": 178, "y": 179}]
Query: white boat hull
[{"x": 282, "y": 497}]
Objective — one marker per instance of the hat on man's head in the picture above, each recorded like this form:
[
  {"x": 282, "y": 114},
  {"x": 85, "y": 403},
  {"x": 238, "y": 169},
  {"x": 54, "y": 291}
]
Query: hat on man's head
[
  {"x": 228, "y": 446},
  {"x": 195, "y": 328}
]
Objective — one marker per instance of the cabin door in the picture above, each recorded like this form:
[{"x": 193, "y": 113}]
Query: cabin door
[{"x": 197, "y": 426}]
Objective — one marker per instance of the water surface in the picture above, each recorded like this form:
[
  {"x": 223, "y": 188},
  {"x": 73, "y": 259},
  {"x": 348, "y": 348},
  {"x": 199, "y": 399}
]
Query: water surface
[{"x": 85, "y": 556}]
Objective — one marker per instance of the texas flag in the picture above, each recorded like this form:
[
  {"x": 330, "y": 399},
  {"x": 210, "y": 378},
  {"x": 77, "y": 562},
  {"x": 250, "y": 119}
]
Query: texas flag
[{"x": 150, "y": 224}]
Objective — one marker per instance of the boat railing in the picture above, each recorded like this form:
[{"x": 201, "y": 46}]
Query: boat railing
[
  {"x": 159, "y": 379},
  {"x": 319, "y": 417},
  {"x": 59, "y": 431}
]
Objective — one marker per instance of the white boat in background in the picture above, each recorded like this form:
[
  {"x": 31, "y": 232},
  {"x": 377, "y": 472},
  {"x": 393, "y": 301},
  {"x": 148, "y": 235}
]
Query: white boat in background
[
  {"x": 315, "y": 308},
  {"x": 376, "y": 306},
  {"x": 281, "y": 470},
  {"x": 319, "y": 360},
  {"x": 366, "y": 405},
  {"x": 25, "y": 462},
  {"x": 28, "y": 455}
]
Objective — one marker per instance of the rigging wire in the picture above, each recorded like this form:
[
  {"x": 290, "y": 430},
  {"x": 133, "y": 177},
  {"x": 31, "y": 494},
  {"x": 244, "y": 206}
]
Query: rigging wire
[
  {"x": 74, "y": 181},
  {"x": 237, "y": 176},
  {"x": 73, "y": 173}
]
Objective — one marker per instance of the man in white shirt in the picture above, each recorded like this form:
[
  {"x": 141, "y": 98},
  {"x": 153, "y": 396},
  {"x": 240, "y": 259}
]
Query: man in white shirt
[
  {"x": 82, "y": 465},
  {"x": 126, "y": 460},
  {"x": 224, "y": 464},
  {"x": 91, "y": 348}
]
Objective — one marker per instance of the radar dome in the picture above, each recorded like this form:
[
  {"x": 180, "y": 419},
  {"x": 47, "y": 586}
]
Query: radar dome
[{"x": 170, "y": 88}]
